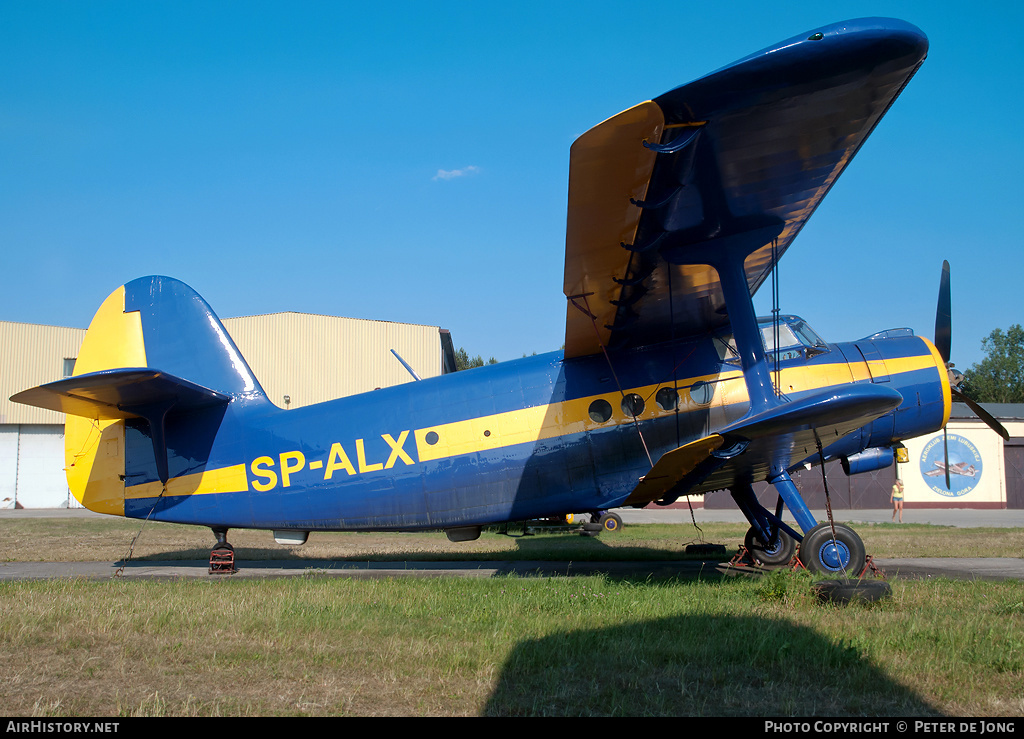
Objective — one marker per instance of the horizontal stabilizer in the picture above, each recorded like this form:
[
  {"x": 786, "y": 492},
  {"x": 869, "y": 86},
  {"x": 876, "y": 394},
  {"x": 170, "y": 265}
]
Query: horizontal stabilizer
[{"x": 120, "y": 394}]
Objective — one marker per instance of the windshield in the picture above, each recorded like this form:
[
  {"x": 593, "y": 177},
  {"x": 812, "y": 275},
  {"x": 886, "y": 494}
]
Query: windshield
[
  {"x": 796, "y": 339},
  {"x": 793, "y": 331}
]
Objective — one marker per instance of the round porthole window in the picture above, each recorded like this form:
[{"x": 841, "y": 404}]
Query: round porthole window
[
  {"x": 632, "y": 405},
  {"x": 431, "y": 437},
  {"x": 600, "y": 410},
  {"x": 702, "y": 392},
  {"x": 667, "y": 399}
]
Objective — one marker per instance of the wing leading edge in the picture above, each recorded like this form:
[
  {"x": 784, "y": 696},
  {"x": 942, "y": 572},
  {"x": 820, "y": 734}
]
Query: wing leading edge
[{"x": 745, "y": 153}]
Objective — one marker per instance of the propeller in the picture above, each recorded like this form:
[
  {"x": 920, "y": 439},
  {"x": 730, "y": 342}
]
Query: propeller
[{"x": 943, "y": 342}]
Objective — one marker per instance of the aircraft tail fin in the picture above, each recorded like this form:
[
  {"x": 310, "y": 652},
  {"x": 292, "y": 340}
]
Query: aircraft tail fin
[{"x": 156, "y": 371}]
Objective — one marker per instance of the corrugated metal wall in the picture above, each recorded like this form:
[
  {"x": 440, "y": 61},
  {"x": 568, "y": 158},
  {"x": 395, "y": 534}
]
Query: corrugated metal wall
[
  {"x": 31, "y": 354},
  {"x": 313, "y": 358},
  {"x": 310, "y": 358}
]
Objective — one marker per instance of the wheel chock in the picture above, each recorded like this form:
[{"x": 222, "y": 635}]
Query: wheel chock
[{"x": 222, "y": 561}]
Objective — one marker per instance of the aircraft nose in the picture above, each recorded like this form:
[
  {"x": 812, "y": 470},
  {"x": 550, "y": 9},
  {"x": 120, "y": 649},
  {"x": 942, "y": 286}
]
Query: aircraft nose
[{"x": 912, "y": 366}]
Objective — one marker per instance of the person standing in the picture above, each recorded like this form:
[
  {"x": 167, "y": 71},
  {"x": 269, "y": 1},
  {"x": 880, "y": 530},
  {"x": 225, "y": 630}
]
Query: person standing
[{"x": 896, "y": 498}]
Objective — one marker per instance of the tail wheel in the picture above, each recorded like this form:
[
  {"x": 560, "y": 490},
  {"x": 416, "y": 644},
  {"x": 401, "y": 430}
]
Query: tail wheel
[
  {"x": 781, "y": 553},
  {"x": 610, "y": 522},
  {"x": 823, "y": 556}
]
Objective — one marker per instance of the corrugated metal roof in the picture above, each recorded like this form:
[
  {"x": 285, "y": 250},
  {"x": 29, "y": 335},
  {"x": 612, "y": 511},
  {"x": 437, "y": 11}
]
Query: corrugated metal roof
[{"x": 1001, "y": 411}]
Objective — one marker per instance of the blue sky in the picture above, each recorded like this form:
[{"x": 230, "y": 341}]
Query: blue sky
[{"x": 409, "y": 161}]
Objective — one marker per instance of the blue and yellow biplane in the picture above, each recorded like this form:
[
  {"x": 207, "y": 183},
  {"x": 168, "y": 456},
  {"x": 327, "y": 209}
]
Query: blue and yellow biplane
[{"x": 669, "y": 385}]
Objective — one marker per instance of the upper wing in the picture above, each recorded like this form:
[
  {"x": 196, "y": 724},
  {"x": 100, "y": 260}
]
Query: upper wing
[{"x": 744, "y": 154}]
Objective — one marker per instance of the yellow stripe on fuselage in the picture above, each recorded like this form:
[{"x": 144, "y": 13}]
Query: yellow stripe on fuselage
[
  {"x": 223, "y": 480},
  {"x": 811, "y": 377},
  {"x": 572, "y": 416}
]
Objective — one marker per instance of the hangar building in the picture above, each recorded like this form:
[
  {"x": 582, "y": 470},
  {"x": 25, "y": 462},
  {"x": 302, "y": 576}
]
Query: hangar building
[{"x": 300, "y": 359}]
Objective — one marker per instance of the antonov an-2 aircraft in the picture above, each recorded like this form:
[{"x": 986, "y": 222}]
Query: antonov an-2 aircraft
[{"x": 669, "y": 385}]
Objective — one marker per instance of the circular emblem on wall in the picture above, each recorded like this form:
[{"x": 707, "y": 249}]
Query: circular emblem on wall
[{"x": 964, "y": 466}]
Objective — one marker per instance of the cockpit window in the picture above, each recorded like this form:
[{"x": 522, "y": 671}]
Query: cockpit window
[{"x": 795, "y": 339}]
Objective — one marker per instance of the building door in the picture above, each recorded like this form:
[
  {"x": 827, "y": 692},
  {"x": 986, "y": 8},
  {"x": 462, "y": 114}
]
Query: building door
[
  {"x": 41, "y": 482},
  {"x": 1013, "y": 463},
  {"x": 863, "y": 491}
]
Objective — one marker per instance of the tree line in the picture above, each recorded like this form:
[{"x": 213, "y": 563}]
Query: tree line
[{"x": 999, "y": 378}]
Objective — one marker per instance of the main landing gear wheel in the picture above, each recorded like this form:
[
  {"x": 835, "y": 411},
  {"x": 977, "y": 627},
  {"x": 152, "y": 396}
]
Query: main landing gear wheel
[
  {"x": 779, "y": 554},
  {"x": 822, "y": 556},
  {"x": 610, "y": 522}
]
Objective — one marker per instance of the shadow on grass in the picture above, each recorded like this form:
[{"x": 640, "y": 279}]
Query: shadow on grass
[
  {"x": 549, "y": 547},
  {"x": 694, "y": 665}
]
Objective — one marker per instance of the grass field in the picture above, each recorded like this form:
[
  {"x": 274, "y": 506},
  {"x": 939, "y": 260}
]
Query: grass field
[{"x": 580, "y": 646}]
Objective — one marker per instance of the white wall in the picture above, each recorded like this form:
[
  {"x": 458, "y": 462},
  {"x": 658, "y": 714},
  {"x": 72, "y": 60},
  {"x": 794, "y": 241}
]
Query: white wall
[
  {"x": 8, "y": 464},
  {"x": 32, "y": 467},
  {"x": 978, "y": 482}
]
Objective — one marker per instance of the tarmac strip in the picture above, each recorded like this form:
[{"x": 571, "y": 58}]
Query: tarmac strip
[{"x": 958, "y": 568}]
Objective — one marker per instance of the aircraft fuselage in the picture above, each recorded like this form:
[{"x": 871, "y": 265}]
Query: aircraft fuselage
[{"x": 528, "y": 438}]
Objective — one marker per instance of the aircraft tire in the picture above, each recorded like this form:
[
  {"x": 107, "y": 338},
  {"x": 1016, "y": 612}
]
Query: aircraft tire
[
  {"x": 610, "y": 522},
  {"x": 842, "y": 592},
  {"x": 781, "y": 554},
  {"x": 820, "y": 557}
]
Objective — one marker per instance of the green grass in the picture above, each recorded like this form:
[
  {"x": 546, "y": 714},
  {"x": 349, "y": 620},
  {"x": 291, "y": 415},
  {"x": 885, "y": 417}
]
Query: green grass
[{"x": 507, "y": 646}]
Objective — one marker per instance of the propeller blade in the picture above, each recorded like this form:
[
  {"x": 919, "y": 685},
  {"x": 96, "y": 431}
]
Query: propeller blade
[
  {"x": 944, "y": 316},
  {"x": 983, "y": 414}
]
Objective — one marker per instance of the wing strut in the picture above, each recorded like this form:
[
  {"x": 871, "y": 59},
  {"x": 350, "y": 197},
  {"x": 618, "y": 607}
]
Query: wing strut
[{"x": 733, "y": 276}]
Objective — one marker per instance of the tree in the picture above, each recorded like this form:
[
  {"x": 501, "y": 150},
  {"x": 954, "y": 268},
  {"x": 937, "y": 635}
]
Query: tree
[
  {"x": 999, "y": 378},
  {"x": 463, "y": 360}
]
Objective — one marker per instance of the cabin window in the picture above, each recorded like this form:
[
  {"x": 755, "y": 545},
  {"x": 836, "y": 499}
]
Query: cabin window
[
  {"x": 702, "y": 392},
  {"x": 667, "y": 399},
  {"x": 632, "y": 405},
  {"x": 600, "y": 410}
]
